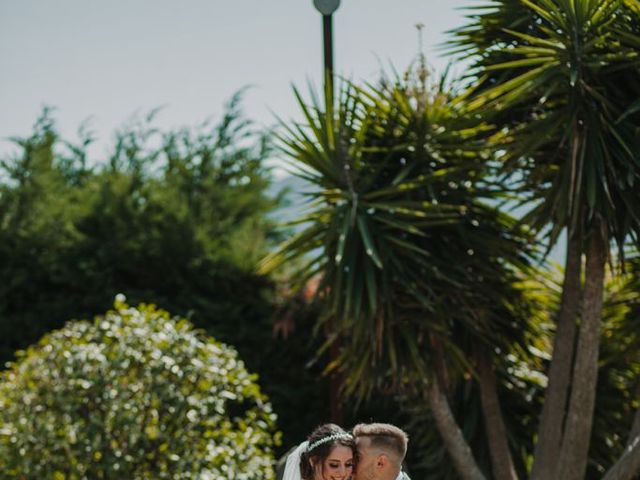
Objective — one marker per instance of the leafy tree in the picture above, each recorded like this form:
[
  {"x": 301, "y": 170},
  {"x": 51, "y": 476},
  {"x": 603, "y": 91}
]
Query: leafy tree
[
  {"x": 177, "y": 219},
  {"x": 418, "y": 276},
  {"x": 162, "y": 223},
  {"x": 133, "y": 394},
  {"x": 562, "y": 78}
]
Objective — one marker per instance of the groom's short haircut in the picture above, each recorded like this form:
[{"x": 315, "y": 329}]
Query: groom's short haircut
[{"x": 385, "y": 437}]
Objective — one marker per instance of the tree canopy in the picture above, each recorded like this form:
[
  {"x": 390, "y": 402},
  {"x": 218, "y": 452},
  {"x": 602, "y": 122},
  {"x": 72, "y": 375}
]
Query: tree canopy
[{"x": 134, "y": 394}]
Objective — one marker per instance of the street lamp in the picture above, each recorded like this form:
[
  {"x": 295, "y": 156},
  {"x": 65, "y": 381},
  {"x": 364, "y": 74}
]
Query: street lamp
[{"x": 326, "y": 8}]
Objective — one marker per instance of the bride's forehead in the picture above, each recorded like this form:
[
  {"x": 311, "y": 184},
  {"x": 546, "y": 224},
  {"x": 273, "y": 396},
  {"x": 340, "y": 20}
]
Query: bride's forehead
[{"x": 340, "y": 452}]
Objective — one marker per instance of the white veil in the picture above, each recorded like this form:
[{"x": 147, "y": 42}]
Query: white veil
[{"x": 292, "y": 467}]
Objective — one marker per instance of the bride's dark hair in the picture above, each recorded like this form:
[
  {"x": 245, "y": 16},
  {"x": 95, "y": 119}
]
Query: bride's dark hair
[{"x": 321, "y": 443}]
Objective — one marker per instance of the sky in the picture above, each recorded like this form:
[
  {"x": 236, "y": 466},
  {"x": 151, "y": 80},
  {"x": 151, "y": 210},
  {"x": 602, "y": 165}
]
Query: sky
[{"x": 107, "y": 62}]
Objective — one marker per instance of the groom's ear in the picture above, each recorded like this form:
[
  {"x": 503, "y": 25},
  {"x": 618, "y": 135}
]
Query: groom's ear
[{"x": 382, "y": 461}]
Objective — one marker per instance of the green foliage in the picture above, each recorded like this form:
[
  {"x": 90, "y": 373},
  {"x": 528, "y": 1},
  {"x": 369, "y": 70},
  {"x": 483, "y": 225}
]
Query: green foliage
[
  {"x": 135, "y": 394},
  {"x": 176, "y": 219},
  {"x": 560, "y": 80},
  {"x": 619, "y": 374},
  {"x": 398, "y": 232},
  {"x": 521, "y": 384},
  {"x": 520, "y": 396},
  {"x": 418, "y": 266}
]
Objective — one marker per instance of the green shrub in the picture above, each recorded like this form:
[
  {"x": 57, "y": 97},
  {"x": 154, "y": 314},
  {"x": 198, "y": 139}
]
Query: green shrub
[{"x": 135, "y": 395}]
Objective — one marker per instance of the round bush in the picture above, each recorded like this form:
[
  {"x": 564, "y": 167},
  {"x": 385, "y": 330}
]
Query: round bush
[{"x": 137, "y": 395}]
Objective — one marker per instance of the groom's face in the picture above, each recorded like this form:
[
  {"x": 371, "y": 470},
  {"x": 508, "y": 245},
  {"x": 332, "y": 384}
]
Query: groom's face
[{"x": 365, "y": 469}]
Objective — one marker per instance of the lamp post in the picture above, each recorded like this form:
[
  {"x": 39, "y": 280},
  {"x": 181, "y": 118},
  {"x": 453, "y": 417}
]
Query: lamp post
[{"x": 326, "y": 8}]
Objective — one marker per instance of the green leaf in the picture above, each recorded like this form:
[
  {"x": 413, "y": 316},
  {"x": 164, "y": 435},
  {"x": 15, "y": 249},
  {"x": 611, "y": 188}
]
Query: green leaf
[
  {"x": 633, "y": 108},
  {"x": 369, "y": 243}
]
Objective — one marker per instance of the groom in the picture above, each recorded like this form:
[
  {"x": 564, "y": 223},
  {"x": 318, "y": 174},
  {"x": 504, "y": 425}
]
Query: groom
[{"x": 381, "y": 450}]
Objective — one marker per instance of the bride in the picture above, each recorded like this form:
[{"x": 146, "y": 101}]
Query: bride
[{"x": 328, "y": 453}]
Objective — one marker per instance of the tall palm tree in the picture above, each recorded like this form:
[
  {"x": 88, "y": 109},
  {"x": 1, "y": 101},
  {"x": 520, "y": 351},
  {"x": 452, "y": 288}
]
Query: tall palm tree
[
  {"x": 415, "y": 267},
  {"x": 562, "y": 79}
]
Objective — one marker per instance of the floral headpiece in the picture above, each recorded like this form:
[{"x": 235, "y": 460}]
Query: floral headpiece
[{"x": 329, "y": 438}]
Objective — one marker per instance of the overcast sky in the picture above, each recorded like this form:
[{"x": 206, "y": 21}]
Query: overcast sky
[{"x": 109, "y": 60}]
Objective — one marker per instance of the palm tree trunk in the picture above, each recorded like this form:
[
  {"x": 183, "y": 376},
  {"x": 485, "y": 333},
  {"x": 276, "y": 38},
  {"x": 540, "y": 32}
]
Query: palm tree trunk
[
  {"x": 501, "y": 460},
  {"x": 628, "y": 466},
  {"x": 457, "y": 446},
  {"x": 553, "y": 412},
  {"x": 575, "y": 443}
]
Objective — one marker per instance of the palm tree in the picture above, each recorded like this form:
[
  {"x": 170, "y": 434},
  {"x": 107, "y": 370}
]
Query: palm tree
[
  {"x": 562, "y": 79},
  {"x": 418, "y": 272}
]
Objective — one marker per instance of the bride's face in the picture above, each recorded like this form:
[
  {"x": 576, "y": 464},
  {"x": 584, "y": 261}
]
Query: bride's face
[{"x": 337, "y": 466}]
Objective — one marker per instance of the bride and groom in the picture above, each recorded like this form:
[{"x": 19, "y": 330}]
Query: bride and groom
[{"x": 372, "y": 451}]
